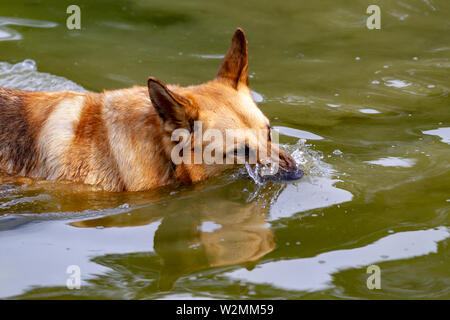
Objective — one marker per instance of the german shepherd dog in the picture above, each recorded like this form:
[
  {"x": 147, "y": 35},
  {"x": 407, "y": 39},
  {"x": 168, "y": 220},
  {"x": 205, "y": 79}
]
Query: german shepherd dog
[{"x": 121, "y": 140}]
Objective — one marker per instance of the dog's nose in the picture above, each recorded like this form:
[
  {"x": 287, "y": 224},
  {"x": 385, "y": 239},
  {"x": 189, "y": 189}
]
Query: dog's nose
[
  {"x": 288, "y": 167},
  {"x": 291, "y": 175}
]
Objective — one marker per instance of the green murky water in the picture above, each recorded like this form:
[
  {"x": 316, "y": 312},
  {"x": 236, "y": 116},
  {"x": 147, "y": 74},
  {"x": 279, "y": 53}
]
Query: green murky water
[{"x": 365, "y": 112}]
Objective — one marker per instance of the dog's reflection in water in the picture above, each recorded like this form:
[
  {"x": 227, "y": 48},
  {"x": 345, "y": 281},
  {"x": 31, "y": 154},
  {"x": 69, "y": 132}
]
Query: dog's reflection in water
[
  {"x": 211, "y": 233},
  {"x": 242, "y": 236}
]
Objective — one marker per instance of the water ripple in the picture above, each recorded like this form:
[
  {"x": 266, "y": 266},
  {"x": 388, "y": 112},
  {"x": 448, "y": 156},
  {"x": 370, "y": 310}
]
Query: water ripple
[{"x": 7, "y": 34}]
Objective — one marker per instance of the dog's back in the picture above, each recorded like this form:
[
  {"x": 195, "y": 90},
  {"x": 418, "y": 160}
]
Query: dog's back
[
  {"x": 42, "y": 135},
  {"x": 67, "y": 135}
]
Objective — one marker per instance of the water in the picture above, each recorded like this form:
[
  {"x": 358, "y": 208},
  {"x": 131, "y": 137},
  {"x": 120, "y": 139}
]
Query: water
[{"x": 364, "y": 113}]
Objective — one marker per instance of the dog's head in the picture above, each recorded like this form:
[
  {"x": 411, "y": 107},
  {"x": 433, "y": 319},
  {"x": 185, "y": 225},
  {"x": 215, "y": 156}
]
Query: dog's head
[{"x": 219, "y": 122}]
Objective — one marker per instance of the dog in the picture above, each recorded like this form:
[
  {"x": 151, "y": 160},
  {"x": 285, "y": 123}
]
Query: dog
[{"x": 121, "y": 140}]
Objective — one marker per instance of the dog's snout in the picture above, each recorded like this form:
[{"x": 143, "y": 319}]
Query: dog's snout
[
  {"x": 289, "y": 169},
  {"x": 287, "y": 162}
]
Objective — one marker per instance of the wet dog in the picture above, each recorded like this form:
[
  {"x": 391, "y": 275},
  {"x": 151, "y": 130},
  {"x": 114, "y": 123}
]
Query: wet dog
[{"x": 122, "y": 140}]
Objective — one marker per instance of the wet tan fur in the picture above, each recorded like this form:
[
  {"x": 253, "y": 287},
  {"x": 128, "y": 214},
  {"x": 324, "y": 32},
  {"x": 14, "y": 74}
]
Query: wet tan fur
[{"x": 121, "y": 140}]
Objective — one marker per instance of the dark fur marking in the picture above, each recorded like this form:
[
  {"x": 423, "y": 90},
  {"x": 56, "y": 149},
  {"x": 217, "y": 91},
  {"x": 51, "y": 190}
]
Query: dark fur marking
[{"x": 17, "y": 138}]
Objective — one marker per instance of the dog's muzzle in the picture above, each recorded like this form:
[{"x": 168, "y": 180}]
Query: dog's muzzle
[{"x": 288, "y": 169}]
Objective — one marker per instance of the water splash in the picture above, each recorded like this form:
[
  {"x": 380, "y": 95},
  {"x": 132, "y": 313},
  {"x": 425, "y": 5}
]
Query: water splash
[
  {"x": 307, "y": 160},
  {"x": 254, "y": 173},
  {"x": 316, "y": 190},
  {"x": 25, "y": 76}
]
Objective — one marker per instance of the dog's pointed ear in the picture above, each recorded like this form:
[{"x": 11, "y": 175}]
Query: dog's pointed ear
[
  {"x": 171, "y": 107},
  {"x": 234, "y": 68}
]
